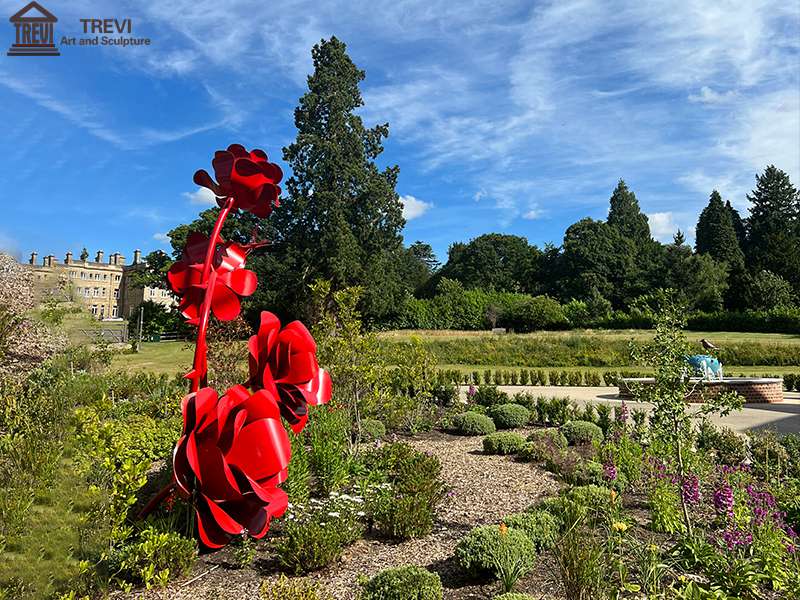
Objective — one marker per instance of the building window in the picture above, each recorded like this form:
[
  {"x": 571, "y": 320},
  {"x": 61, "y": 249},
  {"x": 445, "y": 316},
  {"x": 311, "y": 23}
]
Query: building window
[
  {"x": 115, "y": 312},
  {"x": 83, "y": 274},
  {"x": 94, "y": 310},
  {"x": 116, "y": 277},
  {"x": 105, "y": 276},
  {"x": 116, "y": 293}
]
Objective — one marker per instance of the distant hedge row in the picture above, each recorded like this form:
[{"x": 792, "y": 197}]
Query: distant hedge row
[
  {"x": 579, "y": 350},
  {"x": 550, "y": 377},
  {"x": 477, "y": 309}
]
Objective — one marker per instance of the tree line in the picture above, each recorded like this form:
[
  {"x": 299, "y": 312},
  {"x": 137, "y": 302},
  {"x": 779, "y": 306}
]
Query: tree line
[{"x": 340, "y": 220}]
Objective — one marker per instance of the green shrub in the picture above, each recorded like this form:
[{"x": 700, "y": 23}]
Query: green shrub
[
  {"x": 489, "y": 395},
  {"x": 582, "y": 432},
  {"x": 509, "y": 416},
  {"x": 788, "y": 382},
  {"x": 292, "y": 589},
  {"x": 553, "y": 435},
  {"x": 770, "y": 458},
  {"x": 298, "y": 482},
  {"x": 576, "y": 378},
  {"x": 541, "y": 377},
  {"x": 590, "y": 502},
  {"x": 371, "y": 430},
  {"x": 487, "y": 376},
  {"x": 791, "y": 442},
  {"x": 154, "y": 557},
  {"x": 404, "y": 507},
  {"x": 603, "y": 417},
  {"x": 524, "y": 377},
  {"x": 525, "y": 399},
  {"x": 554, "y": 378},
  {"x": 503, "y": 442},
  {"x": 472, "y": 423},
  {"x": 729, "y": 446},
  {"x": 328, "y": 434},
  {"x": 403, "y": 583},
  {"x": 479, "y": 549},
  {"x": 540, "y": 526},
  {"x": 315, "y": 535}
]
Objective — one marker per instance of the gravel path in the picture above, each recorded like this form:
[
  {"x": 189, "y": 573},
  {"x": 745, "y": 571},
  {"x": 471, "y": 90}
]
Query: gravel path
[{"x": 484, "y": 489}]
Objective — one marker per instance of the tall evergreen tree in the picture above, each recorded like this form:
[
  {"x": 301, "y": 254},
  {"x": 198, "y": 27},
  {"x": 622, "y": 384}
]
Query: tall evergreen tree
[
  {"x": 716, "y": 235},
  {"x": 773, "y": 228},
  {"x": 738, "y": 224},
  {"x": 626, "y": 217},
  {"x": 342, "y": 219}
]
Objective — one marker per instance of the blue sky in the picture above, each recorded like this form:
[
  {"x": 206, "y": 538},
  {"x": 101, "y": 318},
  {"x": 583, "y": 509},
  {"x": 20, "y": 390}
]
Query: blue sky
[{"x": 517, "y": 117}]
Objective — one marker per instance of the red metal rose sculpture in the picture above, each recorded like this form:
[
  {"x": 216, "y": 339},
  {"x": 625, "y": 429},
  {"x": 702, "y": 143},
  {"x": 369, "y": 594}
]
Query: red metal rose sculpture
[
  {"x": 284, "y": 362},
  {"x": 234, "y": 451},
  {"x": 233, "y": 454},
  {"x": 248, "y": 177}
]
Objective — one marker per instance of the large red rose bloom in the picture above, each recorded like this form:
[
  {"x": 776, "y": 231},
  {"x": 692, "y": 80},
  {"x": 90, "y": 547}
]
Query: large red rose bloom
[
  {"x": 248, "y": 177},
  {"x": 284, "y": 363},
  {"x": 232, "y": 455}
]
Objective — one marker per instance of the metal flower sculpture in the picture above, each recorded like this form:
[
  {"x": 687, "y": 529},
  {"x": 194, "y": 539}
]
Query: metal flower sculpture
[{"x": 234, "y": 450}]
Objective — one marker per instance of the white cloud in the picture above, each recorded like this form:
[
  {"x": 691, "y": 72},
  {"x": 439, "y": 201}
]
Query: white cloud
[
  {"x": 161, "y": 237},
  {"x": 202, "y": 196},
  {"x": 533, "y": 213},
  {"x": 414, "y": 207},
  {"x": 709, "y": 96}
]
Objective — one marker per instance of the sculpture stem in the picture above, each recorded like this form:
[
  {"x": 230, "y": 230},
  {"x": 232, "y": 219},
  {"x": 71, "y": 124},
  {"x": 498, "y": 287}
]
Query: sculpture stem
[{"x": 209, "y": 278}]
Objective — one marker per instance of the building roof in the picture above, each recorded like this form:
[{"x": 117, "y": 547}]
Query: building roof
[{"x": 44, "y": 14}]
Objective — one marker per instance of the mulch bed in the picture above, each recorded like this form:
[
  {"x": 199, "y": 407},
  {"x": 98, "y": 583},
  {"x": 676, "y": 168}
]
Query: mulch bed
[{"x": 484, "y": 489}]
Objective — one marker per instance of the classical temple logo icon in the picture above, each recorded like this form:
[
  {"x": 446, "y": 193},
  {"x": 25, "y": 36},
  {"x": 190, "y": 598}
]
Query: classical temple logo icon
[{"x": 35, "y": 27}]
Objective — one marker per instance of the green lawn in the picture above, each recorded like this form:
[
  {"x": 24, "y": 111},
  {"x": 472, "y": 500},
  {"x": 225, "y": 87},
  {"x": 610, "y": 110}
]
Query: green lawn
[{"x": 175, "y": 357}]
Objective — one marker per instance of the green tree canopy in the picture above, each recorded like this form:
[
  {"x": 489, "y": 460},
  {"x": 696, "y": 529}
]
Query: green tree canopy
[
  {"x": 773, "y": 228},
  {"x": 342, "y": 218},
  {"x": 626, "y": 217},
  {"x": 493, "y": 261},
  {"x": 716, "y": 235}
]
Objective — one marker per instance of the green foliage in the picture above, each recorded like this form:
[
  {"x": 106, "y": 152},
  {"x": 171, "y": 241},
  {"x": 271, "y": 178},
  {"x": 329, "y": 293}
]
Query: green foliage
[
  {"x": 582, "y": 432},
  {"x": 729, "y": 447},
  {"x": 665, "y": 510},
  {"x": 768, "y": 291},
  {"x": 372, "y": 429},
  {"x": 403, "y": 505},
  {"x": 503, "y": 442},
  {"x": 472, "y": 423},
  {"x": 328, "y": 434},
  {"x": 540, "y": 526},
  {"x": 479, "y": 550},
  {"x": 580, "y": 557},
  {"x": 489, "y": 395},
  {"x": 403, "y": 583},
  {"x": 716, "y": 234},
  {"x": 554, "y": 436},
  {"x": 292, "y": 589},
  {"x": 243, "y": 550},
  {"x": 313, "y": 536},
  {"x": 298, "y": 482},
  {"x": 153, "y": 557},
  {"x": 508, "y": 416}
]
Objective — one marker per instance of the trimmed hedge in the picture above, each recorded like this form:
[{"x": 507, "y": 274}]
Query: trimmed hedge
[
  {"x": 582, "y": 432},
  {"x": 509, "y": 416},
  {"x": 371, "y": 430},
  {"x": 503, "y": 442},
  {"x": 477, "y": 550},
  {"x": 472, "y": 423},
  {"x": 540, "y": 526},
  {"x": 403, "y": 583}
]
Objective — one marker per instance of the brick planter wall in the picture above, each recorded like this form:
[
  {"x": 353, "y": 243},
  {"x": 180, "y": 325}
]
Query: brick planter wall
[{"x": 754, "y": 390}]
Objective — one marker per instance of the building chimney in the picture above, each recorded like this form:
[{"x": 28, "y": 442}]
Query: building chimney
[
  {"x": 49, "y": 260},
  {"x": 112, "y": 258},
  {"x": 137, "y": 257},
  {"x": 68, "y": 258},
  {"x": 120, "y": 259},
  {"x": 99, "y": 256},
  {"x": 34, "y": 256}
]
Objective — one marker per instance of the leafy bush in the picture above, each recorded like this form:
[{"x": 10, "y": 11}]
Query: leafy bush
[
  {"x": 543, "y": 444},
  {"x": 479, "y": 549},
  {"x": 603, "y": 417},
  {"x": 471, "y": 423},
  {"x": 540, "y": 526},
  {"x": 729, "y": 447},
  {"x": 503, "y": 442},
  {"x": 554, "y": 436},
  {"x": 371, "y": 430},
  {"x": 404, "y": 505},
  {"x": 791, "y": 442},
  {"x": 489, "y": 395},
  {"x": 770, "y": 458},
  {"x": 403, "y": 583},
  {"x": 509, "y": 416},
  {"x": 292, "y": 589},
  {"x": 154, "y": 557},
  {"x": 535, "y": 313},
  {"x": 298, "y": 482},
  {"x": 315, "y": 535},
  {"x": 328, "y": 434},
  {"x": 582, "y": 432}
]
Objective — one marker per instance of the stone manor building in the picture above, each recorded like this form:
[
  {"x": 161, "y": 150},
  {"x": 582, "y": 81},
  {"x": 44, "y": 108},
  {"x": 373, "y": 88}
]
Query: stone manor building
[{"x": 105, "y": 287}]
